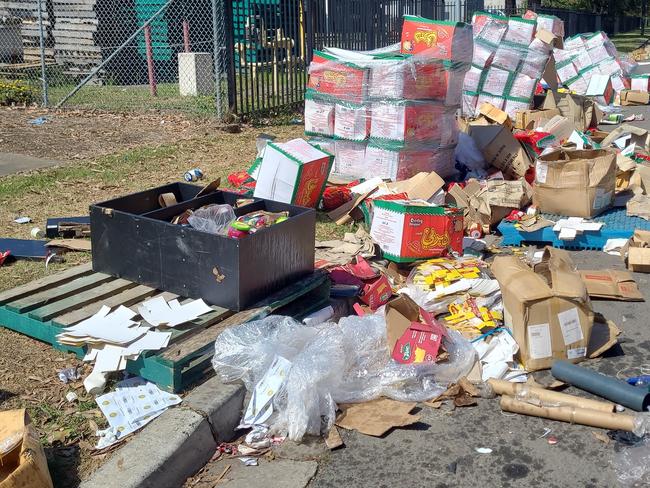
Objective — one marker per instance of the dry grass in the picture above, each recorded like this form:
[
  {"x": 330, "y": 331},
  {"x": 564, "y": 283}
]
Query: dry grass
[{"x": 92, "y": 172}]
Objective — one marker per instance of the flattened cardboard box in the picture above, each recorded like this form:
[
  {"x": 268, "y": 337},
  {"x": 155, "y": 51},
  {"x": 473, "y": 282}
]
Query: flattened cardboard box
[
  {"x": 613, "y": 284},
  {"x": 547, "y": 308},
  {"x": 575, "y": 183}
]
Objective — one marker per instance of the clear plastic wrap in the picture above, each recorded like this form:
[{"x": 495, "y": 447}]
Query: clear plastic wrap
[
  {"x": 331, "y": 364},
  {"x": 508, "y": 62},
  {"x": 586, "y": 55},
  {"x": 394, "y": 107},
  {"x": 213, "y": 219},
  {"x": 632, "y": 464}
]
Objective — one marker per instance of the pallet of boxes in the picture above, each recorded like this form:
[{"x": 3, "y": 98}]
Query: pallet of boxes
[{"x": 391, "y": 114}]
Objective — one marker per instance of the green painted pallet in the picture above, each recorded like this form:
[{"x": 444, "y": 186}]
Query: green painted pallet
[{"x": 41, "y": 308}]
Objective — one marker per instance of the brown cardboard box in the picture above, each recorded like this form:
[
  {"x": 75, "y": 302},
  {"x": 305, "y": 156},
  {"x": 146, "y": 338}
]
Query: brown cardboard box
[
  {"x": 531, "y": 119},
  {"x": 575, "y": 183},
  {"x": 581, "y": 110},
  {"x": 495, "y": 115},
  {"x": 547, "y": 308},
  {"x": 638, "y": 252},
  {"x": 610, "y": 283},
  {"x": 23, "y": 459},
  {"x": 500, "y": 148},
  {"x": 634, "y": 97}
]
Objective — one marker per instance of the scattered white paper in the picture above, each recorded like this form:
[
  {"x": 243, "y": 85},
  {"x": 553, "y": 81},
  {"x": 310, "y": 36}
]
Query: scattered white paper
[
  {"x": 570, "y": 326},
  {"x": 132, "y": 405},
  {"x": 22, "y": 220},
  {"x": 158, "y": 312},
  {"x": 539, "y": 341},
  {"x": 614, "y": 246}
]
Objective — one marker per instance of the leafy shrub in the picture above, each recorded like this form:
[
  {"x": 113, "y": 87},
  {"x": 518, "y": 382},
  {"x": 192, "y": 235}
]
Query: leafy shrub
[{"x": 16, "y": 92}]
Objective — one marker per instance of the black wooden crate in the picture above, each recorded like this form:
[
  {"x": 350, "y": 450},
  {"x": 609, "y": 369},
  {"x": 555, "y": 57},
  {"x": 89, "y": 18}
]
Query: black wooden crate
[{"x": 132, "y": 238}]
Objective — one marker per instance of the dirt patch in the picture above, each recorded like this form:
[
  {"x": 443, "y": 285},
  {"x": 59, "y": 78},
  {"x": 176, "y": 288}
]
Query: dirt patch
[
  {"x": 106, "y": 156},
  {"x": 77, "y": 135}
]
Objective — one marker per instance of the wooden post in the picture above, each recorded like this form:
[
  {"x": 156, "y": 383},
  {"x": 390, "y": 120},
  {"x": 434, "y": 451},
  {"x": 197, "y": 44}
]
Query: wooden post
[
  {"x": 150, "y": 66},
  {"x": 186, "y": 35}
]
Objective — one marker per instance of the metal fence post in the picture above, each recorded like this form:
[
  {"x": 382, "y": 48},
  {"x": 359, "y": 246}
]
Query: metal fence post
[{"x": 41, "y": 42}]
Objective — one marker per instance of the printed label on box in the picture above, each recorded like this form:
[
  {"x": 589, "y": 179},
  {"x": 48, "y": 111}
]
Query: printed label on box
[
  {"x": 578, "y": 352},
  {"x": 570, "y": 326},
  {"x": 539, "y": 341},
  {"x": 387, "y": 227}
]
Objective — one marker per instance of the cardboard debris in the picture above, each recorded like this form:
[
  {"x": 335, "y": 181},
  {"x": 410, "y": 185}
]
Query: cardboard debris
[
  {"x": 638, "y": 252},
  {"x": 23, "y": 460},
  {"x": 495, "y": 115},
  {"x": 582, "y": 111},
  {"x": 341, "y": 251},
  {"x": 497, "y": 199},
  {"x": 634, "y": 135},
  {"x": 578, "y": 183},
  {"x": 422, "y": 186},
  {"x": 547, "y": 308},
  {"x": 376, "y": 417},
  {"x": 333, "y": 439},
  {"x": 634, "y": 97},
  {"x": 611, "y": 283},
  {"x": 604, "y": 336},
  {"x": 71, "y": 244},
  {"x": 532, "y": 119},
  {"x": 639, "y": 206},
  {"x": 500, "y": 148}
]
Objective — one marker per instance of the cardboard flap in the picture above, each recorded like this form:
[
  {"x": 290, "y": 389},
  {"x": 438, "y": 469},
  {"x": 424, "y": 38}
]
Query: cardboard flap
[
  {"x": 422, "y": 186},
  {"x": 641, "y": 135},
  {"x": 565, "y": 280},
  {"x": 519, "y": 279},
  {"x": 399, "y": 312}
]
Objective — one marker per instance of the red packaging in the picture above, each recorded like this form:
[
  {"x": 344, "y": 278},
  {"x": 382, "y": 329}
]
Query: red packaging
[
  {"x": 343, "y": 80},
  {"x": 437, "y": 38}
]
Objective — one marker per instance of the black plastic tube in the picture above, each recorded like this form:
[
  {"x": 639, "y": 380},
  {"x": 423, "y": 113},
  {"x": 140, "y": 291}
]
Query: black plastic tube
[{"x": 605, "y": 386}]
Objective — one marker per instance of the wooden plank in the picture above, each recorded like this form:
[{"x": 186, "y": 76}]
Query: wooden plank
[
  {"x": 126, "y": 298},
  {"x": 193, "y": 345},
  {"x": 60, "y": 292},
  {"x": 42, "y": 331},
  {"x": 45, "y": 283},
  {"x": 79, "y": 300}
]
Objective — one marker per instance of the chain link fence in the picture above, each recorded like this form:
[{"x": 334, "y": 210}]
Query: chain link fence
[{"x": 203, "y": 57}]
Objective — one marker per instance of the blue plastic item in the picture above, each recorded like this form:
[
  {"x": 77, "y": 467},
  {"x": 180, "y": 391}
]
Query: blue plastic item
[{"x": 617, "y": 226}]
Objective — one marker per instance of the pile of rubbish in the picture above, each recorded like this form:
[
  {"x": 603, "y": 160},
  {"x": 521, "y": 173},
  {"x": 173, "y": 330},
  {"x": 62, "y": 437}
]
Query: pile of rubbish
[{"x": 427, "y": 305}]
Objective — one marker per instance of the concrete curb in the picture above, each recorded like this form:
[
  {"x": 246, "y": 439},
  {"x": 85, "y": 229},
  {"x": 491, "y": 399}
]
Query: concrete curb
[{"x": 178, "y": 443}]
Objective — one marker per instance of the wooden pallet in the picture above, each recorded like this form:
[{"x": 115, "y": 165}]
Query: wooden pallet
[{"x": 41, "y": 308}]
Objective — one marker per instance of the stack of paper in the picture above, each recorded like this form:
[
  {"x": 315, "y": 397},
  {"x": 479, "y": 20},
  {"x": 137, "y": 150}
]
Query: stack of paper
[
  {"x": 496, "y": 355},
  {"x": 574, "y": 226},
  {"x": 114, "y": 337},
  {"x": 132, "y": 405},
  {"x": 158, "y": 312}
]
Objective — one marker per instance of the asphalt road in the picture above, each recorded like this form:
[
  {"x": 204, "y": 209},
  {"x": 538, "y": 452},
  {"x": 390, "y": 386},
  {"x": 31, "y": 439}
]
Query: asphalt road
[{"x": 440, "y": 450}]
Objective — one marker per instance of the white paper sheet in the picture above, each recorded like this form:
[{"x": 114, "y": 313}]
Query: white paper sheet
[
  {"x": 570, "y": 326},
  {"x": 158, "y": 312}
]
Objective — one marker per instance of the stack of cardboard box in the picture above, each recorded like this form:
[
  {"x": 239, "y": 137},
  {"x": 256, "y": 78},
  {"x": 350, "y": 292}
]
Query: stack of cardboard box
[
  {"x": 392, "y": 112},
  {"x": 510, "y": 57}
]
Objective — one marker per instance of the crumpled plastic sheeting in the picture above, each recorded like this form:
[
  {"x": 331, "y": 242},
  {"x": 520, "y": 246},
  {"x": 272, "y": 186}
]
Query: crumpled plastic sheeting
[
  {"x": 632, "y": 464},
  {"x": 331, "y": 364}
]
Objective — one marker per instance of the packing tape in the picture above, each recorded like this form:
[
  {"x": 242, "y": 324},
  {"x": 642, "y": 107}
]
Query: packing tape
[{"x": 167, "y": 200}]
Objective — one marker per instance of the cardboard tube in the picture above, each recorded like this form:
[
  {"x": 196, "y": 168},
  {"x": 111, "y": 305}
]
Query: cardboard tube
[
  {"x": 574, "y": 415},
  {"x": 547, "y": 397}
]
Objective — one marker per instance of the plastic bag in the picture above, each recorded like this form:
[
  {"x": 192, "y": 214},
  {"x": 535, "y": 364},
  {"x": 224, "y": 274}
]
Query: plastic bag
[
  {"x": 331, "y": 364},
  {"x": 213, "y": 219},
  {"x": 632, "y": 464}
]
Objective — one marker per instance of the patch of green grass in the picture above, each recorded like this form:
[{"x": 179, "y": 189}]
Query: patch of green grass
[
  {"x": 107, "y": 170},
  {"x": 629, "y": 41}
]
